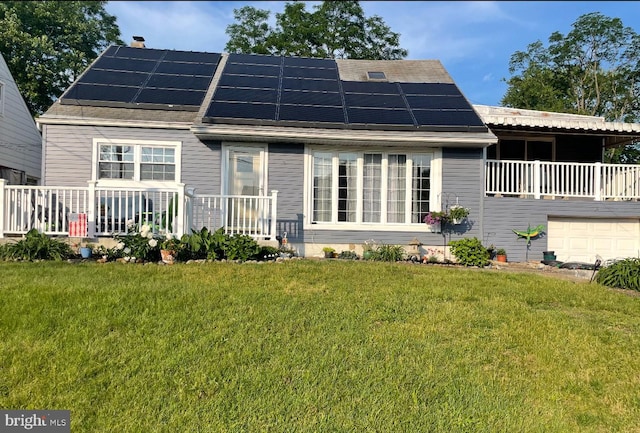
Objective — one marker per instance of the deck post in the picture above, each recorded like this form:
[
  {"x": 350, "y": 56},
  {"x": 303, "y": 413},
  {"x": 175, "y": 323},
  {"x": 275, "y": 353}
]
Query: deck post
[
  {"x": 597, "y": 178},
  {"x": 3, "y": 209},
  {"x": 91, "y": 209},
  {"x": 537, "y": 185},
  {"x": 181, "y": 214},
  {"x": 274, "y": 212}
]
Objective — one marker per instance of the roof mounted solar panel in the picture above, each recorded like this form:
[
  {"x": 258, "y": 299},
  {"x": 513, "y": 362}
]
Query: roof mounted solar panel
[
  {"x": 192, "y": 57},
  {"x": 291, "y": 71},
  {"x": 114, "y": 78},
  {"x": 170, "y": 97},
  {"x": 311, "y": 98},
  {"x": 181, "y": 68},
  {"x": 370, "y": 87},
  {"x": 178, "y": 82},
  {"x": 93, "y": 92},
  {"x": 454, "y": 118},
  {"x": 429, "y": 89},
  {"x": 227, "y": 80},
  {"x": 437, "y": 102},
  {"x": 310, "y": 84},
  {"x": 240, "y": 110},
  {"x": 379, "y": 116},
  {"x": 244, "y": 69},
  {"x": 310, "y": 62},
  {"x": 246, "y": 95},
  {"x": 138, "y": 53},
  {"x": 302, "y": 113},
  {"x": 122, "y": 64},
  {"x": 254, "y": 59},
  {"x": 374, "y": 101}
]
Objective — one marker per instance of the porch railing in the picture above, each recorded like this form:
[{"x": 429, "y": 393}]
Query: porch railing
[
  {"x": 98, "y": 211},
  {"x": 536, "y": 179}
]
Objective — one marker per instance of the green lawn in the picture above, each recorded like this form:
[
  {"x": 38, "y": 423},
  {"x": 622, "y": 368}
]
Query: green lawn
[{"x": 317, "y": 346}]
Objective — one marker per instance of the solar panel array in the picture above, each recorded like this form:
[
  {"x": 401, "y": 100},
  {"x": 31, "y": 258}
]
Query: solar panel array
[
  {"x": 145, "y": 78},
  {"x": 298, "y": 91}
]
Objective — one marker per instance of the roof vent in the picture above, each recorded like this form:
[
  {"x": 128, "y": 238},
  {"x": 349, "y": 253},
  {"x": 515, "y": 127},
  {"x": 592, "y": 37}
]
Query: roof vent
[
  {"x": 376, "y": 75},
  {"x": 137, "y": 42}
]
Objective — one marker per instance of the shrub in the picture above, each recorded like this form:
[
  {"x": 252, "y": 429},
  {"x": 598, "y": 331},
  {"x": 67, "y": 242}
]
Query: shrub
[
  {"x": 143, "y": 244},
  {"x": 36, "y": 246},
  {"x": 268, "y": 253},
  {"x": 623, "y": 274},
  {"x": 349, "y": 255},
  {"x": 204, "y": 244},
  {"x": 470, "y": 252},
  {"x": 241, "y": 247},
  {"x": 388, "y": 253}
]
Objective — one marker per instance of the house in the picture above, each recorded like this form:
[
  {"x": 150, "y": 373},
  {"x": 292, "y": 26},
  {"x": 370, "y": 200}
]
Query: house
[
  {"x": 20, "y": 140},
  {"x": 324, "y": 152}
]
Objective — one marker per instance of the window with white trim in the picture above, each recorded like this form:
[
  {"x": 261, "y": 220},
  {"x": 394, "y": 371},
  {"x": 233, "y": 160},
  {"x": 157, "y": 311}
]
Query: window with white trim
[
  {"x": 137, "y": 160},
  {"x": 372, "y": 187}
]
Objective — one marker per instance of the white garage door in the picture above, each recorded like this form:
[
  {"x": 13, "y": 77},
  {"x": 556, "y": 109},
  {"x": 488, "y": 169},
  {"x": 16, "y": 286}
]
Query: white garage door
[{"x": 582, "y": 239}]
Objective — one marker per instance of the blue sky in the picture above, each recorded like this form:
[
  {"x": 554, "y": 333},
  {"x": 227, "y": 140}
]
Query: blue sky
[{"x": 473, "y": 40}]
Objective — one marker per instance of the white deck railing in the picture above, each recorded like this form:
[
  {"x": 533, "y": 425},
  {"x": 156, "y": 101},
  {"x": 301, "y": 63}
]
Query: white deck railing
[
  {"x": 536, "y": 179},
  {"x": 97, "y": 211}
]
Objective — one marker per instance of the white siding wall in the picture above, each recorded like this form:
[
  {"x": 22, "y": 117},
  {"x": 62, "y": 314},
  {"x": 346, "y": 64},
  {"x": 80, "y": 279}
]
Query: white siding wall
[{"x": 20, "y": 141}]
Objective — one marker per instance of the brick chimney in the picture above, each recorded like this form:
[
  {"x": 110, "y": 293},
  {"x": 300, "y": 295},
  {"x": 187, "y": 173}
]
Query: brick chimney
[{"x": 137, "y": 42}]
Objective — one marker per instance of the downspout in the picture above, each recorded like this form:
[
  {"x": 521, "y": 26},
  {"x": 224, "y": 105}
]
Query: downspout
[{"x": 43, "y": 153}]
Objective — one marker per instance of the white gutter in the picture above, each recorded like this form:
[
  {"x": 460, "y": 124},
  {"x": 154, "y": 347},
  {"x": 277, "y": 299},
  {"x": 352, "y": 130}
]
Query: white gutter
[
  {"x": 342, "y": 136},
  {"x": 81, "y": 121}
]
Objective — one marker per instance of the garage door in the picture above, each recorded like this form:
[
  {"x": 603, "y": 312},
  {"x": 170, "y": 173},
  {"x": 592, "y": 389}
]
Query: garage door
[{"x": 581, "y": 239}]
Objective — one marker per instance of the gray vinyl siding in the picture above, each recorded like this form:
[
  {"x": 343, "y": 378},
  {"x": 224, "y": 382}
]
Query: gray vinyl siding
[
  {"x": 286, "y": 175},
  {"x": 461, "y": 173},
  {"x": 20, "y": 140},
  {"x": 504, "y": 214},
  {"x": 68, "y": 154}
]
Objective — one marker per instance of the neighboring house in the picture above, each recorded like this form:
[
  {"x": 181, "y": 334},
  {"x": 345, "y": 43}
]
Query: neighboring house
[
  {"x": 355, "y": 149},
  {"x": 20, "y": 140}
]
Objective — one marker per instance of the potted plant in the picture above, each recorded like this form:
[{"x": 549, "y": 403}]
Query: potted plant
[
  {"x": 328, "y": 252},
  {"x": 168, "y": 249},
  {"x": 458, "y": 213},
  {"x": 501, "y": 255},
  {"x": 434, "y": 220},
  {"x": 86, "y": 251}
]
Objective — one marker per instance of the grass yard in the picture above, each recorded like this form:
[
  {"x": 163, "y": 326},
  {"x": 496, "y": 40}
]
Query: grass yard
[{"x": 317, "y": 346}]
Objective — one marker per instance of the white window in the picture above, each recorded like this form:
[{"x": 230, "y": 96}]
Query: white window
[
  {"x": 357, "y": 189},
  {"x": 136, "y": 160}
]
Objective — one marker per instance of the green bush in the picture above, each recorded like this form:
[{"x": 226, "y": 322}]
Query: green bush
[
  {"x": 388, "y": 253},
  {"x": 623, "y": 274},
  {"x": 349, "y": 255},
  {"x": 470, "y": 252},
  {"x": 241, "y": 247},
  {"x": 268, "y": 253},
  {"x": 204, "y": 244},
  {"x": 36, "y": 246}
]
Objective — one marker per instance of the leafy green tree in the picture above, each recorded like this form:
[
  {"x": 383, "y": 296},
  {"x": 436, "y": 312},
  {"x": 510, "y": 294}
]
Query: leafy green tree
[
  {"x": 335, "y": 29},
  {"x": 47, "y": 44},
  {"x": 594, "y": 70}
]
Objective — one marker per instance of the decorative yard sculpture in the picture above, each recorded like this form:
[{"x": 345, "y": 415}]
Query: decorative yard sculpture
[{"x": 529, "y": 234}]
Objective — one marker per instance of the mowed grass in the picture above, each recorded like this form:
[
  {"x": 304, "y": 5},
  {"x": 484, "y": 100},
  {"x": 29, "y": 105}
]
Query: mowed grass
[{"x": 317, "y": 346}]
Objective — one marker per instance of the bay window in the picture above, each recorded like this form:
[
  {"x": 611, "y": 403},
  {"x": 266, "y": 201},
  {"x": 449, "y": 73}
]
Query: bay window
[{"x": 371, "y": 187}]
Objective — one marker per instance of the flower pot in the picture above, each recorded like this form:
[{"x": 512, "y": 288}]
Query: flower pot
[
  {"x": 85, "y": 252},
  {"x": 435, "y": 227},
  {"x": 168, "y": 256},
  {"x": 367, "y": 255},
  {"x": 501, "y": 258},
  {"x": 458, "y": 221},
  {"x": 328, "y": 254},
  {"x": 548, "y": 255}
]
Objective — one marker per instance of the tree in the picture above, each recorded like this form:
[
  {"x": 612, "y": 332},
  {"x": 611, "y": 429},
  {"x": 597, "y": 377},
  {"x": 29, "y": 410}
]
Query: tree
[
  {"x": 335, "y": 29},
  {"x": 593, "y": 70},
  {"x": 47, "y": 44}
]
